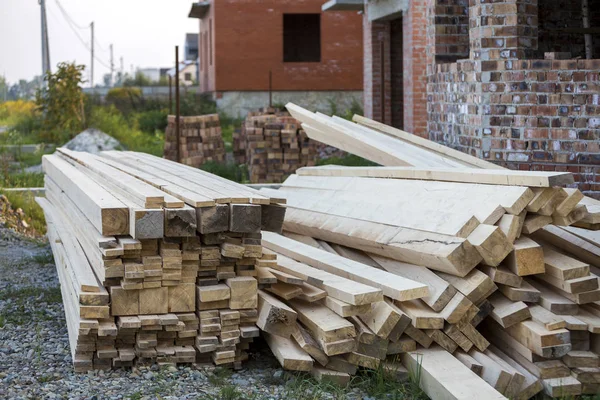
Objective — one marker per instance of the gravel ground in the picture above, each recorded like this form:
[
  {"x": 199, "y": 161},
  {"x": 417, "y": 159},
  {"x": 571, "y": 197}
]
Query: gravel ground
[{"x": 35, "y": 361}]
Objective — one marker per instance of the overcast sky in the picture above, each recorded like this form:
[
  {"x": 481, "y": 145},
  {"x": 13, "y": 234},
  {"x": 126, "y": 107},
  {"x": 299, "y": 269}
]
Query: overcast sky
[{"x": 143, "y": 32}]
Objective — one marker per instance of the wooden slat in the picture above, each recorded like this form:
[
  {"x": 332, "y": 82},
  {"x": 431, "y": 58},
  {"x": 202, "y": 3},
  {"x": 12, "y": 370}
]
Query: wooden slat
[
  {"x": 105, "y": 212},
  {"x": 393, "y": 286},
  {"x": 463, "y": 175}
]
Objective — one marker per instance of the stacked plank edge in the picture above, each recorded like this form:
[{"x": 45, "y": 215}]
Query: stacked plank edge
[
  {"x": 480, "y": 280},
  {"x": 156, "y": 260}
]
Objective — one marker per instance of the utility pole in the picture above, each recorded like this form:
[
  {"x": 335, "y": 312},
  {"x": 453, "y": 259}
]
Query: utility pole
[
  {"x": 45, "y": 47},
  {"x": 92, "y": 64},
  {"x": 177, "y": 110},
  {"x": 112, "y": 66}
]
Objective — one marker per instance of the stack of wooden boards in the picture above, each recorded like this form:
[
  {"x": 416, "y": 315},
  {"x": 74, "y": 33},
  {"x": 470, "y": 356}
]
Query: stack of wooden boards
[
  {"x": 273, "y": 146},
  {"x": 200, "y": 140},
  {"x": 156, "y": 260},
  {"x": 513, "y": 299}
]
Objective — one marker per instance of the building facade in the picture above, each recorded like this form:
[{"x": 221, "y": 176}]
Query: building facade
[
  {"x": 515, "y": 82},
  {"x": 289, "y": 47}
]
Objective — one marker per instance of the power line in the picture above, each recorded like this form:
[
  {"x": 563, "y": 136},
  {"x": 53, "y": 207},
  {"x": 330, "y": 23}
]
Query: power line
[{"x": 74, "y": 26}]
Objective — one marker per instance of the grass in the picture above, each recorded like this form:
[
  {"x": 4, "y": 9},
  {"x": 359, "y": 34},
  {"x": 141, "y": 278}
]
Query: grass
[
  {"x": 350, "y": 161},
  {"x": 233, "y": 172},
  {"x": 26, "y": 201},
  {"x": 21, "y": 179},
  {"x": 17, "y": 313}
]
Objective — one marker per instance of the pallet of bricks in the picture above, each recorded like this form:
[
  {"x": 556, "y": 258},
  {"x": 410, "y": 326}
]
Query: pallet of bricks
[
  {"x": 200, "y": 140},
  {"x": 273, "y": 145},
  {"x": 156, "y": 260},
  {"x": 483, "y": 281}
]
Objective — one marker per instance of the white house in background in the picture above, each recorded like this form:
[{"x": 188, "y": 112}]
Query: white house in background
[
  {"x": 151, "y": 73},
  {"x": 188, "y": 71}
]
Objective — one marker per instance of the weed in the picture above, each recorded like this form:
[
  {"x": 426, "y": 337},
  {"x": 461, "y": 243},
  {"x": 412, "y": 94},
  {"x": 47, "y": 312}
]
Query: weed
[
  {"x": 26, "y": 202},
  {"x": 350, "y": 160},
  {"x": 2, "y": 321},
  {"x": 219, "y": 376},
  {"x": 43, "y": 258},
  {"x": 21, "y": 179},
  {"x": 135, "y": 396},
  {"x": 52, "y": 295},
  {"x": 47, "y": 378},
  {"x": 230, "y": 392}
]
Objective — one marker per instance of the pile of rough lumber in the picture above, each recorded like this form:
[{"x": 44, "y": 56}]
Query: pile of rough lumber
[
  {"x": 273, "y": 146},
  {"x": 156, "y": 260},
  {"x": 512, "y": 300},
  {"x": 200, "y": 140}
]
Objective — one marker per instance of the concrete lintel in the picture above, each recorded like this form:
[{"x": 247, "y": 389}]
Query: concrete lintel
[
  {"x": 385, "y": 10},
  {"x": 343, "y": 5}
]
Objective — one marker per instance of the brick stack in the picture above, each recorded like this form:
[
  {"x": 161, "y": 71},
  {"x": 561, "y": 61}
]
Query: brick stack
[
  {"x": 273, "y": 145},
  {"x": 200, "y": 140}
]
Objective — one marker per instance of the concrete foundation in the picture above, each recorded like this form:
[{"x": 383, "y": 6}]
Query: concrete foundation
[{"x": 238, "y": 104}]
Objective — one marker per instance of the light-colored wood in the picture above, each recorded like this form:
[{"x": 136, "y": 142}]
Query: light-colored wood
[
  {"x": 526, "y": 292},
  {"x": 344, "y": 309},
  {"x": 429, "y": 145},
  {"x": 574, "y": 196},
  {"x": 552, "y": 301},
  {"x": 527, "y": 258},
  {"x": 491, "y": 243},
  {"x": 311, "y": 293},
  {"x": 440, "y": 291},
  {"x": 104, "y": 211},
  {"x": 507, "y": 312},
  {"x": 571, "y": 243},
  {"x": 422, "y": 316},
  {"x": 310, "y": 345},
  {"x": 285, "y": 290},
  {"x": 573, "y": 217},
  {"x": 456, "y": 308},
  {"x": 337, "y": 287},
  {"x": 511, "y": 225},
  {"x": 546, "y": 318},
  {"x": 465, "y": 175},
  {"x": 533, "y": 222},
  {"x": 562, "y": 266},
  {"x": 469, "y": 362},
  {"x": 439, "y": 252},
  {"x": 496, "y": 376},
  {"x": 442, "y": 340},
  {"x": 274, "y": 316},
  {"x": 458, "y": 337},
  {"x": 322, "y": 322},
  {"x": 475, "y": 286},
  {"x": 530, "y": 384},
  {"x": 562, "y": 387},
  {"x": 243, "y": 292},
  {"x": 393, "y": 286},
  {"x": 573, "y": 286},
  {"x": 383, "y": 318},
  {"x": 328, "y": 376},
  {"x": 213, "y": 292},
  {"x": 444, "y": 377},
  {"x": 541, "y": 197},
  {"x": 502, "y": 275},
  {"x": 286, "y": 278},
  {"x": 536, "y": 337},
  {"x": 288, "y": 353},
  {"x": 581, "y": 359}
]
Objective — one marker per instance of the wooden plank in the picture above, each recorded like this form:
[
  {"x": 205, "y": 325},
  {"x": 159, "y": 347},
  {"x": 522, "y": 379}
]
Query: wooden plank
[
  {"x": 105, "y": 212},
  {"x": 288, "y": 353},
  {"x": 573, "y": 286},
  {"x": 491, "y": 243},
  {"x": 383, "y": 317},
  {"x": 344, "y": 309},
  {"x": 553, "y": 301},
  {"x": 311, "y": 293},
  {"x": 507, "y": 312},
  {"x": 337, "y": 287},
  {"x": 422, "y": 316},
  {"x": 212, "y": 219},
  {"x": 393, "y": 286},
  {"x": 537, "y": 338},
  {"x": 511, "y": 225},
  {"x": 439, "y": 252},
  {"x": 322, "y": 322},
  {"x": 562, "y": 266},
  {"x": 456, "y": 309},
  {"x": 534, "y": 222},
  {"x": 284, "y": 290},
  {"x": 310, "y": 345},
  {"x": 531, "y": 385},
  {"x": 573, "y": 244},
  {"x": 476, "y": 285},
  {"x": 444, "y": 377},
  {"x": 574, "y": 196},
  {"x": 440, "y": 291},
  {"x": 274, "y": 316},
  {"x": 525, "y": 292},
  {"x": 546, "y": 318},
  {"x": 527, "y": 258},
  {"x": 496, "y": 376},
  {"x": 502, "y": 275},
  {"x": 465, "y": 175},
  {"x": 469, "y": 362}
]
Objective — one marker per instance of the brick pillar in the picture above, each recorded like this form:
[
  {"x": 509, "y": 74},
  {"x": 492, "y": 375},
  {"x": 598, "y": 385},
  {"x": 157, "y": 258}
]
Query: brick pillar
[
  {"x": 416, "y": 59},
  {"x": 377, "y": 71},
  {"x": 503, "y": 29}
]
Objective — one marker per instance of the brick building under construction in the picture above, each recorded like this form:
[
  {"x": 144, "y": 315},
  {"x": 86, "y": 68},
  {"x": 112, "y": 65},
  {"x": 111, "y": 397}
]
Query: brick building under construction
[{"x": 516, "y": 82}]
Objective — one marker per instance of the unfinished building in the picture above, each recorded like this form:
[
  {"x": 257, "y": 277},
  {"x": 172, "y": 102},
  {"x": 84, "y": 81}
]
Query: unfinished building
[{"x": 515, "y": 82}]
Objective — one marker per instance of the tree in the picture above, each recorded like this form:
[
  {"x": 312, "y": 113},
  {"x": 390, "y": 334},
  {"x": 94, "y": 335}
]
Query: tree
[{"x": 62, "y": 101}]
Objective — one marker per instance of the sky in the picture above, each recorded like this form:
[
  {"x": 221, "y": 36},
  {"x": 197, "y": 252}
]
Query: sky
[{"x": 143, "y": 32}]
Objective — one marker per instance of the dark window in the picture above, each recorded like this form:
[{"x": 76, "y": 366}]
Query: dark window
[
  {"x": 301, "y": 37},
  {"x": 188, "y": 76}
]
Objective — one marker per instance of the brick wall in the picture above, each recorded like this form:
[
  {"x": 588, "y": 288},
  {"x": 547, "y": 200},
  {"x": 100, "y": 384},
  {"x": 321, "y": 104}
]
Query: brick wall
[
  {"x": 248, "y": 42},
  {"x": 450, "y": 23},
  {"x": 377, "y": 71},
  {"x": 506, "y": 107}
]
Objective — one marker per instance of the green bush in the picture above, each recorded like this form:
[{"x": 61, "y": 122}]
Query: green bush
[
  {"x": 233, "y": 172},
  {"x": 151, "y": 121},
  {"x": 196, "y": 104},
  {"x": 110, "y": 121},
  {"x": 125, "y": 99}
]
